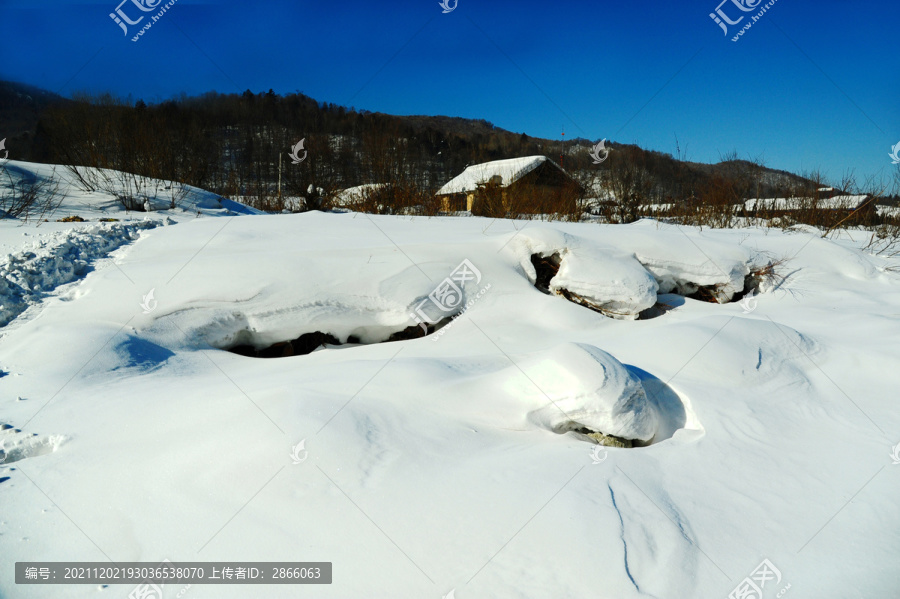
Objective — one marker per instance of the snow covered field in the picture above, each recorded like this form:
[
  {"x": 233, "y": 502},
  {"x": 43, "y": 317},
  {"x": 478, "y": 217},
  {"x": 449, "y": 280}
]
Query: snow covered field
[{"x": 763, "y": 428}]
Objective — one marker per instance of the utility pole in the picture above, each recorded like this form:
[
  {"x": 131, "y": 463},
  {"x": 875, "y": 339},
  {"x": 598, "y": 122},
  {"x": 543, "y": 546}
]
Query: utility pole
[
  {"x": 562, "y": 148},
  {"x": 279, "y": 177}
]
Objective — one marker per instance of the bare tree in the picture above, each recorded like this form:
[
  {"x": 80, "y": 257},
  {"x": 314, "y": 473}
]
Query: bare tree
[{"x": 630, "y": 183}]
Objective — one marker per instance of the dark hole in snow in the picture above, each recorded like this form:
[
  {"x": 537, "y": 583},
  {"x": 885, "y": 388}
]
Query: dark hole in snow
[
  {"x": 705, "y": 294},
  {"x": 546, "y": 268},
  {"x": 600, "y": 438},
  {"x": 712, "y": 293},
  {"x": 310, "y": 342},
  {"x": 607, "y": 440}
]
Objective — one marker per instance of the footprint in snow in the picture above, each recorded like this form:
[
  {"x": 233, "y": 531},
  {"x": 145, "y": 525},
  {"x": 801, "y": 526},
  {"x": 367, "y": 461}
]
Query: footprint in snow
[{"x": 16, "y": 445}]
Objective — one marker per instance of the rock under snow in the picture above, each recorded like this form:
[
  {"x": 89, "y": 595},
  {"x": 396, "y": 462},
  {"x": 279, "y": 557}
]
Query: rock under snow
[
  {"x": 585, "y": 387},
  {"x": 602, "y": 278},
  {"x": 611, "y": 282}
]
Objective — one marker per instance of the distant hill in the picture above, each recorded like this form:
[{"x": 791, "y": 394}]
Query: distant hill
[
  {"x": 231, "y": 143},
  {"x": 21, "y": 107},
  {"x": 773, "y": 177}
]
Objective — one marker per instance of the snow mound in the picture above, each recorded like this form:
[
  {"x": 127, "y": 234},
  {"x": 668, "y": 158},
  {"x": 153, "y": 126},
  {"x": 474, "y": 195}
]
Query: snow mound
[
  {"x": 26, "y": 277},
  {"x": 612, "y": 282},
  {"x": 604, "y": 279},
  {"x": 622, "y": 283},
  {"x": 587, "y": 387}
]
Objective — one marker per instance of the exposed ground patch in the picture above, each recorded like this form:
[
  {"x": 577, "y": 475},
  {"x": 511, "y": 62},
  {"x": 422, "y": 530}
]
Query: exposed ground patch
[
  {"x": 546, "y": 268},
  {"x": 310, "y": 342}
]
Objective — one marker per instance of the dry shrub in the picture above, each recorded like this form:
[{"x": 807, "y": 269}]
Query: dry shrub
[
  {"x": 402, "y": 197},
  {"x": 27, "y": 195},
  {"x": 525, "y": 200}
]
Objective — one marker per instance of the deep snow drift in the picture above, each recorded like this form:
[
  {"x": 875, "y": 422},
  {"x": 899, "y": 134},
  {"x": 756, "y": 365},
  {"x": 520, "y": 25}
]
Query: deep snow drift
[{"x": 453, "y": 462}]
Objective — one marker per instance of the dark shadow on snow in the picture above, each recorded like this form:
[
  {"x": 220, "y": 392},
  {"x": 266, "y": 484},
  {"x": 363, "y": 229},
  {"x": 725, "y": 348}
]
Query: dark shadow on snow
[
  {"x": 672, "y": 415},
  {"x": 142, "y": 354}
]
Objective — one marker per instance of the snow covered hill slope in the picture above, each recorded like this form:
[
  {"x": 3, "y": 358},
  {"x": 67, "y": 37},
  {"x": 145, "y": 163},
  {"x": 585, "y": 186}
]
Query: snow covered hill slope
[
  {"x": 71, "y": 199},
  {"x": 461, "y": 461}
]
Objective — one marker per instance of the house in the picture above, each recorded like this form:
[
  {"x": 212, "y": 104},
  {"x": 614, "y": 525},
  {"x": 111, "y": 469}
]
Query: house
[
  {"x": 533, "y": 184},
  {"x": 858, "y": 209}
]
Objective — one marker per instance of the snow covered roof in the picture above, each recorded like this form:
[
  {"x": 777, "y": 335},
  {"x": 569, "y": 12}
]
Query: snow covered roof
[
  {"x": 510, "y": 171},
  {"x": 355, "y": 195},
  {"x": 837, "y": 202},
  {"x": 888, "y": 210}
]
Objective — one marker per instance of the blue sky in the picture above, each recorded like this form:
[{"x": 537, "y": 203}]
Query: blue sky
[{"x": 809, "y": 86}]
